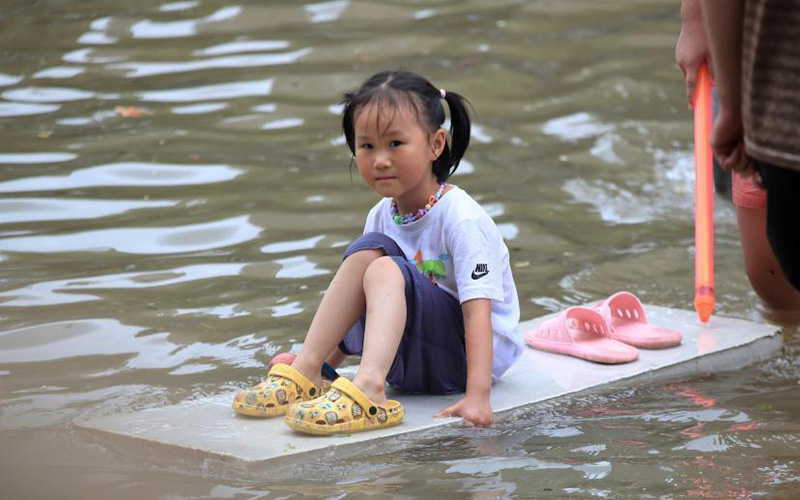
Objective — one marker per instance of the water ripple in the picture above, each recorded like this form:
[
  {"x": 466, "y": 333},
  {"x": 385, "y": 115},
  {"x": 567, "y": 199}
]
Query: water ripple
[
  {"x": 92, "y": 56},
  {"x": 242, "y": 46},
  {"x": 8, "y": 80},
  {"x": 180, "y": 29},
  {"x": 38, "y": 157},
  {"x": 298, "y": 267},
  {"x": 199, "y": 109},
  {"x": 326, "y": 12},
  {"x": 177, "y": 6},
  {"x": 96, "y": 38},
  {"x": 141, "y": 69},
  {"x": 144, "y": 240},
  {"x": 283, "y": 124},
  {"x": 26, "y": 109},
  {"x": 93, "y": 337},
  {"x": 66, "y": 291},
  {"x": 575, "y": 127},
  {"x": 50, "y": 209},
  {"x": 59, "y": 72},
  {"x": 293, "y": 246},
  {"x": 47, "y": 94},
  {"x": 125, "y": 174},
  {"x": 252, "y": 88}
]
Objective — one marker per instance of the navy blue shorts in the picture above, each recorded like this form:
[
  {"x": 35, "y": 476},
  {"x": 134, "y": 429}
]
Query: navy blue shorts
[{"x": 432, "y": 356}]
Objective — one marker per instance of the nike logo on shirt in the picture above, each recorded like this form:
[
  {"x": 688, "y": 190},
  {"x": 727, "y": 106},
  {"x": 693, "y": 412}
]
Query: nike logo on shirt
[{"x": 480, "y": 271}]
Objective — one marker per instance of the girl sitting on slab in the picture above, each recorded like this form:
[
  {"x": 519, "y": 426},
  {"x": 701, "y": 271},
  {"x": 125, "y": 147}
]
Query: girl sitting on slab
[{"x": 425, "y": 296}]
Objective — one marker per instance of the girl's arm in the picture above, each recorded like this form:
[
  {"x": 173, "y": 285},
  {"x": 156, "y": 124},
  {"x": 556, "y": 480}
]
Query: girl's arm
[{"x": 475, "y": 407}]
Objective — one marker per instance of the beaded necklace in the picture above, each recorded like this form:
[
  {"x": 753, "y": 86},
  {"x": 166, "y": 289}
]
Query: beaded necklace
[{"x": 411, "y": 216}]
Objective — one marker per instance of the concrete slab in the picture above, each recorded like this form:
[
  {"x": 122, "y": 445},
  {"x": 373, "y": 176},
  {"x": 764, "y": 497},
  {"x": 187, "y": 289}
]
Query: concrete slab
[{"x": 208, "y": 428}]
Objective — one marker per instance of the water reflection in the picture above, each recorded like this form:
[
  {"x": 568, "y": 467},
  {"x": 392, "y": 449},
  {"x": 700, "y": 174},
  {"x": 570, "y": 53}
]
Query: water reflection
[
  {"x": 612, "y": 202},
  {"x": 199, "y": 109},
  {"x": 239, "y": 46},
  {"x": 65, "y": 291},
  {"x": 298, "y": 267},
  {"x": 46, "y": 94},
  {"x": 283, "y": 124},
  {"x": 142, "y": 69},
  {"x": 92, "y": 56},
  {"x": 472, "y": 466},
  {"x": 107, "y": 337},
  {"x": 293, "y": 246},
  {"x": 575, "y": 127},
  {"x": 59, "y": 72},
  {"x": 221, "y": 312},
  {"x": 581, "y": 149},
  {"x": 37, "y": 157},
  {"x": 95, "y": 38},
  {"x": 252, "y": 88},
  {"x": 149, "y": 240},
  {"x": 180, "y": 29},
  {"x": 49, "y": 209},
  {"x": 26, "y": 109},
  {"x": 6, "y": 79},
  {"x": 326, "y": 12},
  {"x": 178, "y": 6},
  {"x": 125, "y": 174}
]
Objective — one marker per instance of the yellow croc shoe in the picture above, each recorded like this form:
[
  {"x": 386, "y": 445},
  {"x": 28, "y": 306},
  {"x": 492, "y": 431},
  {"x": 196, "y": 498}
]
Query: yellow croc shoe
[
  {"x": 344, "y": 408},
  {"x": 271, "y": 398}
]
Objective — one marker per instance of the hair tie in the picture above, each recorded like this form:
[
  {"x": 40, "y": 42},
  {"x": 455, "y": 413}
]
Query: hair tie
[{"x": 443, "y": 93}]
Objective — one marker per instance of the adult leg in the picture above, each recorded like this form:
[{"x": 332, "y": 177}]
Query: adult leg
[
  {"x": 384, "y": 291},
  {"x": 780, "y": 297},
  {"x": 783, "y": 217}
]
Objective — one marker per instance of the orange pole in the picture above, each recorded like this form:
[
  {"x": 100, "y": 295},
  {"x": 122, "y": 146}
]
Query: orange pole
[{"x": 704, "y": 192}]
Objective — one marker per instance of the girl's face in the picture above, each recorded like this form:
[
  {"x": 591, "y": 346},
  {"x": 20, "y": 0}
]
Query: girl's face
[{"x": 395, "y": 154}]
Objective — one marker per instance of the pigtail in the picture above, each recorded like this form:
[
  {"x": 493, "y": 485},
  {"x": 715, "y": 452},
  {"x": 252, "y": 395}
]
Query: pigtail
[
  {"x": 348, "y": 127},
  {"x": 460, "y": 129}
]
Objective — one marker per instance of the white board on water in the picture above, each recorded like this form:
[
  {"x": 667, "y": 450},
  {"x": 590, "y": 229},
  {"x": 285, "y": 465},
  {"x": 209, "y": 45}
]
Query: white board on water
[{"x": 210, "y": 428}]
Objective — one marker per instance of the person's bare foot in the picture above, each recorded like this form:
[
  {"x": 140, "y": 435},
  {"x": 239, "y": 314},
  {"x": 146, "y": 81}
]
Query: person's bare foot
[
  {"x": 374, "y": 390},
  {"x": 785, "y": 318},
  {"x": 311, "y": 372}
]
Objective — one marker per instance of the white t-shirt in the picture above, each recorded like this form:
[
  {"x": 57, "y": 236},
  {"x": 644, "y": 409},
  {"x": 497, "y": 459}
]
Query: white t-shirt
[{"x": 459, "y": 246}]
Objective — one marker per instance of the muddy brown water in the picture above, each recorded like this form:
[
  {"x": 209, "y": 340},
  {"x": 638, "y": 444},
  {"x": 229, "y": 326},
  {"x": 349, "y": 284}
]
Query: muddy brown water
[{"x": 176, "y": 196}]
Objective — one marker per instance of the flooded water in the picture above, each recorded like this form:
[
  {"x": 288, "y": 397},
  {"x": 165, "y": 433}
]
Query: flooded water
[{"x": 176, "y": 196}]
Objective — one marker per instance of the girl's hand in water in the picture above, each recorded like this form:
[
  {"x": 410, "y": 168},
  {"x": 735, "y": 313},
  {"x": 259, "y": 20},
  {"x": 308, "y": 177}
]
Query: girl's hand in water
[
  {"x": 475, "y": 410},
  {"x": 286, "y": 358}
]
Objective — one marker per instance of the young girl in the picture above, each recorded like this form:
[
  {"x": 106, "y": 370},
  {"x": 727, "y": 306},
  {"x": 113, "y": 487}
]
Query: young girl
[{"x": 425, "y": 296}]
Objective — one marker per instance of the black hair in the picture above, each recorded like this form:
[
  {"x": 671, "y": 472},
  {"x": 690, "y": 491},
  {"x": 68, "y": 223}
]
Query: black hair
[{"x": 397, "y": 88}]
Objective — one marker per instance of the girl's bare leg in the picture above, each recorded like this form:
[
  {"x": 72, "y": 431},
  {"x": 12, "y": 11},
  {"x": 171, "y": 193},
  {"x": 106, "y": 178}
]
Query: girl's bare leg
[
  {"x": 342, "y": 305},
  {"x": 763, "y": 270},
  {"x": 384, "y": 289}
]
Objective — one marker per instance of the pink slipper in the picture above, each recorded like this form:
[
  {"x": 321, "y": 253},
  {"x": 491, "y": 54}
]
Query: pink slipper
[
  {"x": 582, "y": 333},
  {"x": 625, "y": 313}
]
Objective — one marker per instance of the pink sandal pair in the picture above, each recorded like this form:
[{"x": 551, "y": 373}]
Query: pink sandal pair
[{"x": 606, "y": 332}]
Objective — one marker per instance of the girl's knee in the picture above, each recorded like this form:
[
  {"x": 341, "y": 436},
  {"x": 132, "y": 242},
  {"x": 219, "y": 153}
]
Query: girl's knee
[
  {"x": 373, "y": 242},
  {"x": 381, "y": 271},
  {"x": 366, "y": 254}
]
